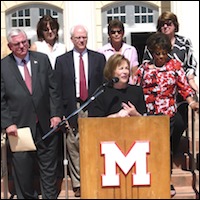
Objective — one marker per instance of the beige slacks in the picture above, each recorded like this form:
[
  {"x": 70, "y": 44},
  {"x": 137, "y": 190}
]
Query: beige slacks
[{"x": 73, "y": 152}]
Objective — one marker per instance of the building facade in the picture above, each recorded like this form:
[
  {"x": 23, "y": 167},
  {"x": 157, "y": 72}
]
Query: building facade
[{"x": 139, "y": 17}]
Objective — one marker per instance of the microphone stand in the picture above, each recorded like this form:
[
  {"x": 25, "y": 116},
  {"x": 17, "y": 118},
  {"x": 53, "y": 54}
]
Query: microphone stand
[
  {"x": 98, "y": 91},
  {"x": 96, "y": 94}
]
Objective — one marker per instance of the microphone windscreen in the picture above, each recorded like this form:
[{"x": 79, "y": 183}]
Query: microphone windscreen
[{"x": 115, "y": 79}]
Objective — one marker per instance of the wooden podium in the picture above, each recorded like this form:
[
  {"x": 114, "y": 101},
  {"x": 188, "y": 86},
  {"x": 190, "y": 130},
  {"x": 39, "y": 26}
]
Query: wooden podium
[{"x": 133, "y": 137}]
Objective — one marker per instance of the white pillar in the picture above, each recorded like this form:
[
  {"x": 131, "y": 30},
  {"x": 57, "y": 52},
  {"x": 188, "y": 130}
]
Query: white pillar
[
  {"x": 187, "y": 13},
  {"x": 80, "y": 12}
]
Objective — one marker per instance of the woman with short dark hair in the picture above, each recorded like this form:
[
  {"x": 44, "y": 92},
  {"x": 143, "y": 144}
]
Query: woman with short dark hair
[
  {"x": 117, "y": 45},
  {"x": 162, "y": 78}
]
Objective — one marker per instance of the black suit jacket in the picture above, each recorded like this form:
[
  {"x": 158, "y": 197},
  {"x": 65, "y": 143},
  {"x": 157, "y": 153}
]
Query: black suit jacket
[
  {"x": 65, "y": 72},
  {"x": 20, "y": 107}
]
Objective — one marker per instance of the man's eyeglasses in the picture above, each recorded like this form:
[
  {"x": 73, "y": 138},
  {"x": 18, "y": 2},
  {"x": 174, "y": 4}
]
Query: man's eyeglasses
[
  {"x": 79, "y": 38},
  {"x": 168, "y": 23},
  {"x": 18, "y": 43},
  {"x": 116, "y": 31}
]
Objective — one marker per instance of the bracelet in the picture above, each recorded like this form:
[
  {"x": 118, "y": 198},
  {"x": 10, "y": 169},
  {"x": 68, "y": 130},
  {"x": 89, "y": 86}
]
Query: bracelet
[{"x": 191, "y": 103}]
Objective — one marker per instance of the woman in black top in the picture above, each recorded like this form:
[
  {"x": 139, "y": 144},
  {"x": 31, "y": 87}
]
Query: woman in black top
[{"x": 119, "y": 99}]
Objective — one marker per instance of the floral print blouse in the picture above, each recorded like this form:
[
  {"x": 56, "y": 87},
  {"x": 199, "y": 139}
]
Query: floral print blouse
[{"x": 160, "y": 86}]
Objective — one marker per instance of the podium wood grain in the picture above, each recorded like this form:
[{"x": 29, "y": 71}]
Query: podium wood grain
[{"x": 124, "y": 131}]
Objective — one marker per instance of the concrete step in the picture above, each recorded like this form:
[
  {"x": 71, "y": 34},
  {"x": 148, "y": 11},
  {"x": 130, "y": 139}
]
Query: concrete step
[
  {"x": 185, "y": 178},
  {"x": 185, "y": 193},
  {"x": 63, "y": 194},
  {"x": 183, "y": 181},
  {"x": 70, "y": 195},
  {"x": 68, "y": 186},
  {"x": 186, "y": 184}
]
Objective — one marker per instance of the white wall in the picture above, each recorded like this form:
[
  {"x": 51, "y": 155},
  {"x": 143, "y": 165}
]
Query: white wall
[{"x": 80, "y": 12}]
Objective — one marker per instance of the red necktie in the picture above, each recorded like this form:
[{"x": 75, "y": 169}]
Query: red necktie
[
  {"x": 27, "y": 76},
  {"x": 83, "y": 87}
]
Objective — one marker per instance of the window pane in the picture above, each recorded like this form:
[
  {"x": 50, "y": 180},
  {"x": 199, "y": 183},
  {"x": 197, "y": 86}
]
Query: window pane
[
  {"x": 123, "y": 19},
  {"x": 143, "y": 10},
  {"x": 116, "y": 10},
  {"x": 20, "y": 13},
  {"x": 14, "y": 23},
  {"x": 137, "y": 9},
  {"x": 116, "y": 17},
  {"x": 150, "y": 11},
  {"x": 144, "y": 19},
  {"x": 14, "y": 14},
  {"x": 55, "y": 13},
  {"x": 109, "y": 11},
  {"x": 109, "y": 19},
  {"x": 150, "y": 19},
  {"x": 137, "y": 19},
  {"x": 27, "y": 12},
  {"x": 122, "y": 9},
  {"x": 41, "y": 12},
  {"x": 21, "y": 22},
  {"x": 48, "y": 12},
  {"x": 27, "y": 22}
]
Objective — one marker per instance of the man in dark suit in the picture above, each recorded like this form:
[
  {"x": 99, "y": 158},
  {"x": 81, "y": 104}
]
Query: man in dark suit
[
  {"x": 38, "y": 108},
  {"x": 67, "y": 71}
]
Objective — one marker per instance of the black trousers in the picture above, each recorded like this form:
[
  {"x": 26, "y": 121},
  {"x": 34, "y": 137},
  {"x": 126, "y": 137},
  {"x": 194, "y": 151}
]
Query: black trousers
[
  {"x": 23, "y": 164},
  {"x": 177, "y": 127}
]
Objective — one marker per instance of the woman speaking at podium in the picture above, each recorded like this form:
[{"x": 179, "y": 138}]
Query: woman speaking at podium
[{"x": 119, "y": 99}]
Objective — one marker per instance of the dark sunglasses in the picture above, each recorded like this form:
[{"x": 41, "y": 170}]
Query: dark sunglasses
[
  {"x": 168, "y": 23},
  {"x": 47, "y": 29},
  {"x": 117, "y": 31}
]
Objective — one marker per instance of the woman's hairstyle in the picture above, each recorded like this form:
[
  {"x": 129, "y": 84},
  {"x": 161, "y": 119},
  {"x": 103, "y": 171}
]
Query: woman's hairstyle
[
  {"x": 159, "y": 40},
  {"x": 165, "y": 16},
  {"x": 112, "y": 63},
  {"x": 42, "y": 25},
  {"x": 115, "y": 23}
]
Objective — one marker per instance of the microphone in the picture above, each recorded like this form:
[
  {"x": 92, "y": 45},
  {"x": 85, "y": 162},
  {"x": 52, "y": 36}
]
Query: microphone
[
  {"x": 113, "y": 80},
  {"x": 102, "y": 87}
]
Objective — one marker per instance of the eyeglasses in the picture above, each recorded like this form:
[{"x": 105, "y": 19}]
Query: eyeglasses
[
  {"x": 168, "y": 23},
  {"x": 79, "y": 38},
  {"x": 116, "y": 31},
  {"x": 18, "y": 43},
  {"x": 47, "y": 30}
]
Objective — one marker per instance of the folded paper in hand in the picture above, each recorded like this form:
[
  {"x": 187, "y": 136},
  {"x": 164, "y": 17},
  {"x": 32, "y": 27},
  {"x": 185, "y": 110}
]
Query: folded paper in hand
[{"x": 23, "y": 142}]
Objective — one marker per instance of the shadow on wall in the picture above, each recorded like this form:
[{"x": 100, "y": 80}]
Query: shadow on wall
[{"x": 4, "y": 48}]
